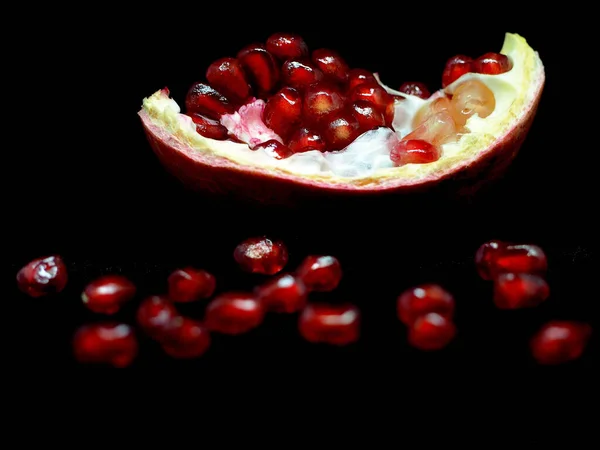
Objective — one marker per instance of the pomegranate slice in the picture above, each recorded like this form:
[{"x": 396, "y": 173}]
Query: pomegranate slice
[{"x": 477, "y": 134}]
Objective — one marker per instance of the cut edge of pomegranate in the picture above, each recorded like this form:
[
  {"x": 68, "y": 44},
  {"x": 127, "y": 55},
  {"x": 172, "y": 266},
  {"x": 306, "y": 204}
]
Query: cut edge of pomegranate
[{"x": 206, "y": 164}]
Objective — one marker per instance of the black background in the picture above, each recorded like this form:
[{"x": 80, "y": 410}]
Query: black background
[{"x": 85, "y": 184}]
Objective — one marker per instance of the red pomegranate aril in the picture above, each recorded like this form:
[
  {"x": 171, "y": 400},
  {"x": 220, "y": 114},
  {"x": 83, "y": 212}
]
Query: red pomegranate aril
[
  {"x": 519, "y": 290},
  {"x": 375, "y": 94},
  {"x": 331, "y": 64},
  {"x": 261, "y": 67},
  {"x": 485, "y": 257},
  {"x": 492, "y": 64},
  {"x": 43, "y": 276},
  {"x": 320, "y": 273},
  {"x": 415, "y": 88},
  {"x": 330, "y": 324},
  {"x": 154, "y": 316},
  {"x": 113, "y": 344},
  {"x": 284, "y": 293},
  {"x": 456, "y": 67},
  {"x": 431, "y": 331},
  {"x": 106, "y": 294},
  {"x": 340, "y": 130},
  {"x": 209, "y": 128},
  {"x": 227, "y": 76},
  {"x": 424, "y": 299},
  {"x": 320, "y": 101},
  {"x": 286, "y": 46},
  {"x": 414, "y": 151},
  {"x": 203, "y": 99},
  {"x": 560, "y": 341},
  {"x": 234, "y": 313},
  {"x": 299, "y": 74},
  {"x": 261, "y": 255},
  {"x": 359, "y": 76},
  {"x": 283, "y": 111},
  {"x": 190, "y": 284},
  {"x": 517, "y": 258},
  {"x": 367, "y": 115},
  {"x": 305, "y": 139},
  {"x": 185, "y": 338},
  {"x": 275, "y": 149}
]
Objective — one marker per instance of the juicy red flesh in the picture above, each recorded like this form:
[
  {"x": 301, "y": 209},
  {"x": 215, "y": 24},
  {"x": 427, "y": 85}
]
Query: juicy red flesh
[
  {"x": 286, "y": 46},
  {"x": 233, "y": 313},
  {"x": 456, "y": 67},
  {"x": 424, "y": 299},
  {"x": 519, "y": 290},
  {"x": 106, "y": 294},
  {"x": 359, "y": 76},
  {"x": 331, "y": 64},
  {"x": 43, "y": 276},
  {"x": 492, "y": 64},
  {"x": 330, "y": 324},
  {"x": 190, "y": 284},
  {"x": 367, "y": 115},
  {"x": 186, "y": 338},
  {"x": 375, "y": 94},
  {"x": 415, "y": 88},
  {"x": 209, "y": 128},
  {"x": 320, "y": 101},
  {"x": 203, "y": 99},
  {"x": 113, "y": 344},
  {"x": 559, "y": 342},
  {"x": 284, "y": 293},
  {"x": 305, "y": 139},
  {"x": 275, "y": 149},
  {"x": 414, "y": 151},
  {"x": 300, "y": 74},
  {"x": 340, "y": 130},
  {"x": 261, "y": 67},
  {"x": 227, "y": 76},
  {"x": 283, "y": 111},
  {"x": 320, "y": 273},
  {"x": 155, "y": 315},
  {"x": 431, "y": 331},
  {"x": 261, "y": 255}
]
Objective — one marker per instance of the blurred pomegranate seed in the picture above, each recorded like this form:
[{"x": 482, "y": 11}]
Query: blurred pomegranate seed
[
  {"x": 185, "y": 338},
  {"x": 492, "y": 64},
  {"x": 284, "y": 293},
  {"x": 261, "y": 255},
  {"x": 330, "y": 324},
  {"x": 320, "y": 273},
  {"x": 286, "y": 46},
  {"x": 114, "y": 344},
  {"x": 415, "y": 88},
  {"x": 456, "y": 67},
  {"x": 190, "y": 284},
  {"x": 300, "y": 74},
  {"x": 331, "y": 64},
  {"x": 227, "y": 76},
  {"x": 519, "y": 290},
  {"x": 414, "y": 151},
  {"x": 275, "y": 149},
  {"x": 424, "y": 299},
  {"x": 485, "y": 257},
  {"x": 525, "y": 258},
  {"x": 558, "y": 342},
  {"x": 233, "y": 313},
  {"x": 43, "y": 276},
  {"x": 154, "y": 316},
  {"x": 106, "y": 294},
  {"x": 431, "y": 332}
]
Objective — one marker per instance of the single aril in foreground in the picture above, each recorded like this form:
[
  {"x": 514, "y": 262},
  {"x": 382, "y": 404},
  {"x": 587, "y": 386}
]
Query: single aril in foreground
[
  {"x": 496, "y": 257},
  {"x": 233, "y": 313},
  {"x": 560, "y": 341},
  {"x": 106, "y": 294},
  {"x": 190, "y": 284},
  {"x": 261, "y": 255},
  {"x": 519, "y": 290},
  {"x": 321, "y": 273},
  {"x": 283, "y": 293},
  {"x": 43, "y": 276},
  {"x": 424, "y": 299},
  {"x": 431, "y": 331},
  {"x": 185, "y": 338},
  {"x": 330, "y": 323},
  {"x": 113, "y": 344},
  {"x": 154, "y": 316},
  {"x": 280, "y": 121}
]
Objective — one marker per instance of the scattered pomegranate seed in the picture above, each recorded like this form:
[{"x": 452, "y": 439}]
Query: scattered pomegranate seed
[
  {"x": 42, "y": 276},
  {"x": 520, "y": 258},
  {"x": 320, "y": 273},
  {"x": 492, "y": 64},
  {"x": 106, "y": 294},
  {"x": 227, "y": 76},
  {"x": 275, "y": 149},
  {"x": 330, "y": 324},
  {"x": 233, "y": 313},
  {"x": 485, "y": 257},
  {"x": 299, "y": 74},
  {"x": 190, "y": 284},
  {"x": 284, "y": 293},
  {"x": 261, "y": 67},
  {"x": 261, "y": 255},
  {"x": 424, "y": 299},
  {"x": 472, "y": 97},
  {"x": 415, "y": 88},
  {"x": 209, "y": 128},
  {"x": 558, "y": 342},
  {"x": 340, "y": 130},
  {"x": 305, "y": 139},
  {"x": 154, "y": 316},
  {"x": 367, "y": 115},
  {"x": 359, "y": 76},
  {"x": 431, "y": 332},
  {"x": 205, "y": 100},
  {"x": 414, "y": 151},
  {"x": 519, "y": 290},
  {"x": 114, "y": 344},
  {"x": 320, "y": 101},
  {"x": 286, "y": 46},
  {"x": 283, "y": 112},
  {"x": 375, "y": 94},
  {"x": 456, "y": 67},
  {"x": 331, "y": 64},
  {"x": 185, "y": 338}
]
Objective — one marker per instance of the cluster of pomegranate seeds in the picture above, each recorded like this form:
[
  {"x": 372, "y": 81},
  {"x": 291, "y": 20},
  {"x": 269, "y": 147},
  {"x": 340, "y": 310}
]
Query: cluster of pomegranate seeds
[
  {"x": 261, "y": 255},
  {"x": 108, "y": 293},
  {"x": 427, "y": 310},
  {"x": 43, "y": 276},
  {"x": 489, "y": 64}
]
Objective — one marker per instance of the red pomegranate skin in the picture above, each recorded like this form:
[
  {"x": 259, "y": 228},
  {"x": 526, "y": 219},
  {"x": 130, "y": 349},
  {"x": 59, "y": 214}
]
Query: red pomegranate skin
[
  {"x": 43, "y": 276},
  {"x": 219, "y": 177},
  {"x": 113, "y": 344}
]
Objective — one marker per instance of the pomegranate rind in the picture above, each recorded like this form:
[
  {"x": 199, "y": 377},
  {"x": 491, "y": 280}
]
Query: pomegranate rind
[{"x": 485, "y": 153}]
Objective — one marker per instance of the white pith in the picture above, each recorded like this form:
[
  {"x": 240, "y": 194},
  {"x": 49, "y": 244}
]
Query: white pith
[{"x": 367, "y": 160}]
